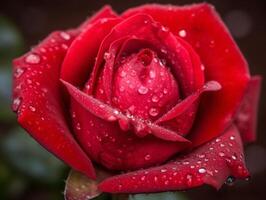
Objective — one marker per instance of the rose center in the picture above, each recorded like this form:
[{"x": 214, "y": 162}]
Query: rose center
[{"x": 144, "y": 86}]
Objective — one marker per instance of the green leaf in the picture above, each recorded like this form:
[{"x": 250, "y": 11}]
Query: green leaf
[
  {"x": 159, "y": 196},
  {"x": 80, "y": 187},
  {"x": 29, "y": 157}
]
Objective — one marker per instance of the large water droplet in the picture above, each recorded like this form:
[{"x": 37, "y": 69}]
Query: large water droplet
[
  {"x": 143, "y": 90},
  {"x": 32, "y": 59}
]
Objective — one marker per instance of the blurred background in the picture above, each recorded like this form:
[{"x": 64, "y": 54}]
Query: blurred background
[{"x": 27, "y": 171}]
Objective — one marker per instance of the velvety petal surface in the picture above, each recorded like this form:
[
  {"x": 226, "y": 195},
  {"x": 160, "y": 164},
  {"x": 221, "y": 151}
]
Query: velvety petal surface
[
  {"x": 246, "y": 118},
  {"x": 80, "y": 57},
  {"x": 38, "y": 102},
  {"x": 104, "y": 134},
  {"x": 209, "y": 164},
  {"x": 202, "y": 28}
]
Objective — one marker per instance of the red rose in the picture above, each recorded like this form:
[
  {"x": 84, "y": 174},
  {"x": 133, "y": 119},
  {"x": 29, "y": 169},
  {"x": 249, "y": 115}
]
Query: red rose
[{"x": 163, "y": 88}]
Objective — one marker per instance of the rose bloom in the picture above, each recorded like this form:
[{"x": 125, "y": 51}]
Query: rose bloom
[{"x": 159, "y": 95}]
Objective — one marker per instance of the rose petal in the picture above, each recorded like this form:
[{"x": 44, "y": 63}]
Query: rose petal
[
  {"x": 81, "y": 55},
  {"x": 81, "y": 187},
  {"x": 104, "y": 12},
  {"x": 188, "y": 102},
  {"x": 203, "y": 29},
  {"x": 106, "y": 112},
  {"x": 210, "y": 164},
  {"x": 37, "y": 100},
  {"x": 246, "y": 118},
  {"x": 163, "y": 40}
]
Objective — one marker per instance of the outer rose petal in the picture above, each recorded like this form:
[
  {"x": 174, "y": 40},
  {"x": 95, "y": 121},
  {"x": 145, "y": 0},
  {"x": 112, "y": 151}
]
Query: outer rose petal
[
  {"x": 81, "y": 55},
  {"x": 38, "y": 101},
  {"x": 210, "y": 164},
  {"x": 246, "y": 118},
  {"x": 105, "y": 12},
  {"x": 201, "y": 26}
]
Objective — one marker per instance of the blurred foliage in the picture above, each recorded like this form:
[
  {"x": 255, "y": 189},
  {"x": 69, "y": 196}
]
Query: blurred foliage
[
  {"x": 24, "y": 164},
  {"x": 11, "y": 45},
  {"x": 159, "y": 196}
]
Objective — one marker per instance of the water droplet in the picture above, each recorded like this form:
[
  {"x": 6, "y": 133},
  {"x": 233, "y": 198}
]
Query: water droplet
[
  {"x": 221, "y": 154},
  {"x": 107, "y": 55},
  {"x": 33, "y": 109},
  {"x": 233, "y": 157},
  {"x": 189, "y": 179},
  {"x": 123, "y": 74},
  {"x": 65, "y": 35},
  {"x": 116, "y": 112},
  {"x": 201, "y": 156},
  {"x": 155, "y": 178},
  {"x": 142, "y": 178},
  {"x": 185, "y": 163},
  {"x": 153, "y": 112},
  {"x": 202, "y": 67},
  {"x": 78, "y": 126},
  {"x": 16, "y": 103},
  {"x": 152, "y": 74},
  {"x": 164, "y": 29},
  {"x": 230, "y": 181},
  {"x": 111, "y": 118},
  {"x": 155, "y": 98},
  {"x": 218, "y": 140},
  {"x": 165, "y": 91},
  {"x": 202, "y": 170},
  {"x": 182, "y": 33},
  {"x": 163, "y": 170},
  {"x": 18, "y": 72},
  {"x": 32, "y": 59},
  {"x": 232, "y": 137},
  {"x": 166, "y": 182},
  {"x": 143, "y": 90},
  {"x": 147, "y": 157},
  {"x": 121, "y": 88}
]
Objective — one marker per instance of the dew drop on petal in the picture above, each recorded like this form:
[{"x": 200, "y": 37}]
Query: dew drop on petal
[
  {"x": 202, "y": 170},
  {"x": 232, "y": 138},
  {"x": 182, "y": 33},
  {"x": 65, "y": 35},
  {"x": 221, "y": 154},
  {"x": 153, "y": 112},
  {"x": 111, "y": 118},
  {"x": 152, "y": 74},
  {"x": 230, "y": 181},
  {"x": 32, "y": 58},
  {"x": 123, "y": 74},
  {"x": 33, "y": 109},
  {"x": 163, "y": 170},
  {"x": 18, "y": 72},
  {"x": 155, "y": 98},
  {"x": 143, "y": 90},
  {"x": 16, "y": 103},
  {"x": 165, "y": 91},
  {"x": 147, "y": 157}
]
